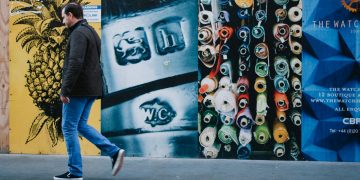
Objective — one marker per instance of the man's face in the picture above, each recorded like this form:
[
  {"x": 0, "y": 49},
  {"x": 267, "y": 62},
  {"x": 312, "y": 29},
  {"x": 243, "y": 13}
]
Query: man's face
[{"x": 67, "y": 19}]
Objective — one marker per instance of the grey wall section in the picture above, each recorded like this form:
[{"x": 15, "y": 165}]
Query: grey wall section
[
  {"x": 149, "y": 61},
  {"x": 4, "y": 76}
]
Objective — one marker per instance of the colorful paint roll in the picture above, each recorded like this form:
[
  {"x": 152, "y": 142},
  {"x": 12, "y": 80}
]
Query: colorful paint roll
[
  {"x": 227, "y": 135},
  {"x": 261, "y": 51},
  {"x": 262, "y": 134},
  {"x": 243, "y": 152},
  {"x": 280, "y": 132},
  {"x": 227, "y": 148},
  {"x": 260, "y": 85},
  {"x": 205, "y": 35},
  {"x": 225, "y": 83},
  {"x": 227, "y": 120},
  {"x": 296, "y": 99},
  {"x": 294, "y": 149},
  {"x": 296, "y": 30},
  {"x": 281, "y": 101},
  {"x": 296, "y": 65},
  {"x": 205, "y": 17},
  {"x": 260, "y": 119},
  {"x": 281, "y": 115},
  {"x": 281, "y": 66},
  {"x": 212, "y": 152},
  {"x": 244, "y": 50},
  {"x": 210, "y": 118},
  {"x": 280, "y": 14},
  {"x": 243, "y": 100},
  {"x": 279, "y": 150},
  {"x": 225, "y": 32},
  {"x": 225, "y": 102},
  {"x": 243, "y": 34},
  {"x": 260, "y": 15},
  {"x": 261, "y": 104},
  {"x": 281, "y": 84},
  {"x": 209, "y": 101},
  {"x": 207, "y": 55},
  {"x": 295, "y": 14},
  {"x": 296, "y": 47},
  {"x": 281, "y": 32},
  {"x": 224, "y": 17},
  {"x": 207, "y": 136},
  {"x": 295, "y": 117},
  {"x": 244, "y": 119},
  {"x": 208, "y": 85},
  {"x": 226, "y": 69},
  {"x": 261, "y": 69},
  {"x": 242, "y": 84},
  {"x": 258, "y": 32},
  {"x": 244, "y": 3},
  {"x": 295, "y": 83},
  {"x": 245, "y": 136},
  {"x": 280, "y": 47}
]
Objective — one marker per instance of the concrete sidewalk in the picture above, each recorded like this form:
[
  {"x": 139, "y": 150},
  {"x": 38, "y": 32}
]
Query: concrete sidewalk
[{"x": 36, "y": 167}]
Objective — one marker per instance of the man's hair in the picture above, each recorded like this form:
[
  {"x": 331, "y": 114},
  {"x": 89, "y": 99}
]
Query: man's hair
[{"x": 75, "y": 9}]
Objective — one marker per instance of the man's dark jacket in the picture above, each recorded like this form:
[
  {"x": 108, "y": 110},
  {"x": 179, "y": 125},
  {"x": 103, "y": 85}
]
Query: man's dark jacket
[{"x": 82, "y": 72}]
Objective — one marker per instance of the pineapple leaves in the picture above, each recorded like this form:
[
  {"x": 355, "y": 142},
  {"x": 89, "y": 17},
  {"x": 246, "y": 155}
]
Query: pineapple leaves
[
  {"x": 36, "y": 126},
  {"x": 45, "y": 25},
  {"x": 25, "y": 32},
  {"x": 29, "y": 39},
  {"x": 17, "y": 6},
  {"x": 51, "y": 127},
  {"x": 30, "y": 19}
]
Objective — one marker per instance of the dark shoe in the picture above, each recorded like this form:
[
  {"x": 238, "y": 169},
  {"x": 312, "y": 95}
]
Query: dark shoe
[
  {"x": 68, "y": 176},
  {"x": 117, "y": 161}
]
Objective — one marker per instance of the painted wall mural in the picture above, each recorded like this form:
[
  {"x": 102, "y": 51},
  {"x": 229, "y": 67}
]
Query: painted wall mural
[
  {"x": 331, "y": 126},
  {"x": 150, "y": 67},
  {"x": 37, "y": 51},
  {"x": 250, "y": 93}
]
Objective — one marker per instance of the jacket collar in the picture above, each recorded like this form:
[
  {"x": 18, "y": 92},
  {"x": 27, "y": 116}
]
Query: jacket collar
[{"x": 77, "y": 24}]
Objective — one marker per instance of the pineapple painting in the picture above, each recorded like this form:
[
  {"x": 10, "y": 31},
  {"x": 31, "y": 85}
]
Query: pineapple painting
[{"x": 44, "y": 35}]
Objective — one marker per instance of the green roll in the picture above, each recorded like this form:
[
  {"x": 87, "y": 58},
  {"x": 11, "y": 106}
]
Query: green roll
[
  {"x": 210, "y": 118},
  {"x": 262, "y": 69},
  {"x": 227, "y": 135},
  {"x": 262, "y": 134}
]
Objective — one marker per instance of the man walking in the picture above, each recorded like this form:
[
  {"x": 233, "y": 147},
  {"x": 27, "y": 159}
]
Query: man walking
[{"x": 81, "y": 85}]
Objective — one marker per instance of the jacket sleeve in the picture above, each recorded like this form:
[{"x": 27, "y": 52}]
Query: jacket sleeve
[{"x": 76, "y": 58}]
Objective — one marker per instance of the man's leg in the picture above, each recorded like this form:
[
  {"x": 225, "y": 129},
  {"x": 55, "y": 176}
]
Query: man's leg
[
  {"x": 92, "y": 134},
  {"x": 71, "y": 114}
]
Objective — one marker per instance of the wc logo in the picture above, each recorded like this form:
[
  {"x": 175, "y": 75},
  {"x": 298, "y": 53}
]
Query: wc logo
[
  {"x": 351, "y": 5},
  {"x": 157, "y": 112}
]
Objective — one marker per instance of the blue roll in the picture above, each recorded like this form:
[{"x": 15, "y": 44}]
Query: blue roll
[{"x": 243, "y": 152}]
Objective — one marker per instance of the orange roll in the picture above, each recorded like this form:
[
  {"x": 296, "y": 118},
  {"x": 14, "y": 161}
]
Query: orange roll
[{"x": 280, "y": 133}]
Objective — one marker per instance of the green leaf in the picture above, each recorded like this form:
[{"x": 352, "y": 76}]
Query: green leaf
[
  {"x": 51, "y": 126},
  {"x": 36, "y": 127}
]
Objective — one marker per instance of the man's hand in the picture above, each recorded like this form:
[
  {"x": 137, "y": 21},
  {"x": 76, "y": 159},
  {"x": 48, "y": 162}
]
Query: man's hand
[{"x": 64, "y": 99}]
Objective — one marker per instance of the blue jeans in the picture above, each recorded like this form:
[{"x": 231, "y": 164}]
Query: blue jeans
[{"x": 74, "y": 121}]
